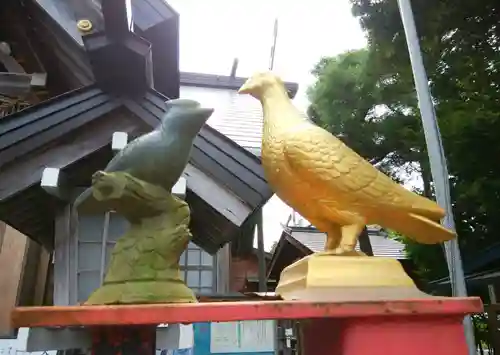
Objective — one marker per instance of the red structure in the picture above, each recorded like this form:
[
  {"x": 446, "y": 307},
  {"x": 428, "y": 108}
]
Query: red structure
[{"x": 430, "y": 326}]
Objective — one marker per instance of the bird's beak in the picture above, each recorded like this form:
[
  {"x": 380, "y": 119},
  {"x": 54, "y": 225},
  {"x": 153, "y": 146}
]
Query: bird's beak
[
  {"x": 206, "y": 112},
  {"x": 245, "y": 88}
]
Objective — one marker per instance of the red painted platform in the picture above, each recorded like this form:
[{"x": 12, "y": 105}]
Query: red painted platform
[
  {"x": 233, "y": 311},
  {"x": 431, "y": 326}
]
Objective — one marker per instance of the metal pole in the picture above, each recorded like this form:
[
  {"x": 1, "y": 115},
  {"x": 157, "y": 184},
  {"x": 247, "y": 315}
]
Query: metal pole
[
  {"x": 3, "y": 228},
  {"x": 273, "y": 47},
  {"x": 260, "y": 223},
  {"x": 437, "y": 160},
  {"x": 261, "y": 258},
  {"x": 492, "y": 294}
]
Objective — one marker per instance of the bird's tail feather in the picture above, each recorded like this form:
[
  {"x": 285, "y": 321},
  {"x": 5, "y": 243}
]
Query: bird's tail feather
[
  {"x": 427, "y": 208},
  {"x": 419, "y": 228}
]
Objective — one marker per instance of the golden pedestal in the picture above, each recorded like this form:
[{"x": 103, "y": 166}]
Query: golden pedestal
[{"x": 326, "y": 277}]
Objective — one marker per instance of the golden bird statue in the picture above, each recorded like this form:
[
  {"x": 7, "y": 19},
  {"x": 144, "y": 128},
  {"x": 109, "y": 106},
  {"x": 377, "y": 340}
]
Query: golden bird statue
[{"x": 328, "y": 183}]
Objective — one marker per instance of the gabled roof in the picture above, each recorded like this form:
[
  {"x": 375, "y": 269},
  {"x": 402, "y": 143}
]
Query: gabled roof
[
  {"x": 154, "y": 20},
  {"x": 240, "y": 116},
  {"x": 483, "y": 259},
  {"x": 73, "y": 132},
  {"x": 382, "y": 246},
  {"x": 480, "y": 267},
  {"x": 297, "y": 242},
  {"x": 224, "y": 82},
  {"x": 483, "y": 278}
]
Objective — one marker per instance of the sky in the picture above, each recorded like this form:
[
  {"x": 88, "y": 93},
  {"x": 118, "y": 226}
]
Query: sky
[{"x": 213, "y": 33}]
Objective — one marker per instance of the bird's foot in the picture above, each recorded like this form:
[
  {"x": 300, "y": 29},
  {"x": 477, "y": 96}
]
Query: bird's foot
[
  {"x": 109, "y": 185},
  {"x": 343, "y": 250}
]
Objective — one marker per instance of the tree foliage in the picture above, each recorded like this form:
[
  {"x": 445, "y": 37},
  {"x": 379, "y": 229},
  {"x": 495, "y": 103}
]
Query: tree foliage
[
  {"x": 355, "y": 102},
  {"x": 367, "y": 98}
]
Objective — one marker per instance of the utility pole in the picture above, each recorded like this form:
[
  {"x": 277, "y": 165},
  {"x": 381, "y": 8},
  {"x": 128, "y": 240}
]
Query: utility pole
[
  {"x": 260, "y": 218},
  {"x": 234, "y": 68},
  {"x": 261, "y": 257},
  {"x": 273, "y": 47},
  {"x": 437, "y": 160}
]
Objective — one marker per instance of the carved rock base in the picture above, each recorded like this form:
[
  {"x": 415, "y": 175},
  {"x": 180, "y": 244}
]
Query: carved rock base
[
  {"x": 325, "y": 277},
  {"x": 142, "y": 292},
  {"x": 144, "y": 266},
  {"x": 144, "y": 269}
]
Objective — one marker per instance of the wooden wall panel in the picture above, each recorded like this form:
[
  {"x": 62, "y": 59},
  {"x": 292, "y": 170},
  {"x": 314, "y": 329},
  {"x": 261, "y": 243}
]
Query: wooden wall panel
[
  {"x": 241, "y": 268},
  {"x": 12, "y": 259},
  {"x": 23, "y": 275}
]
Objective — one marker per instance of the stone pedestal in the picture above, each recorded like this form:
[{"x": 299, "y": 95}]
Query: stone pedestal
[
  {"x": 382, "y": 282},
  {"x": 346, "y": 278}
]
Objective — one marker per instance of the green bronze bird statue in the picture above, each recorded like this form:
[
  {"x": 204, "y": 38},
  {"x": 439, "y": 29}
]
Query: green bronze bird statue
[{"x": 160, "y": 156}]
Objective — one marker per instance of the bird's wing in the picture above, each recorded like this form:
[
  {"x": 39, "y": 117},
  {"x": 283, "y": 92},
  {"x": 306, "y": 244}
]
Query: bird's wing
[
  {"x": 121, "y": 161},
  {"x": 328, "y": 164}
]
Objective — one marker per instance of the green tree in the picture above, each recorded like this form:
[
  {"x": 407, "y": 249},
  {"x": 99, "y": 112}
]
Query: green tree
[
  {"x": 373, "y": 112},
  {"x": 367, "y": 98}
]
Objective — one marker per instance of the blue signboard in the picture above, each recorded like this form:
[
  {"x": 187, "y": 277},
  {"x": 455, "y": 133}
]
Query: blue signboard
[{"x": 188, "y": 351}]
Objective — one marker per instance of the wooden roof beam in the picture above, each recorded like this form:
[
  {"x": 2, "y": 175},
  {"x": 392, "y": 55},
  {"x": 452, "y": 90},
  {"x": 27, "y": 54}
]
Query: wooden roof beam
[{"x": 117, "y": 18}]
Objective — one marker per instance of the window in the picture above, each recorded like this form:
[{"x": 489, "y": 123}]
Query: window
[
  {"x": 197, "y": 268},
  {"x": 89, "y": 261},
  {"x": 97, "y": 235}
]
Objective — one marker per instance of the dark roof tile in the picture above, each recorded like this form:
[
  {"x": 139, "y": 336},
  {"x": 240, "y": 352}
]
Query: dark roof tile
[{"x": 382, "y": 245}]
